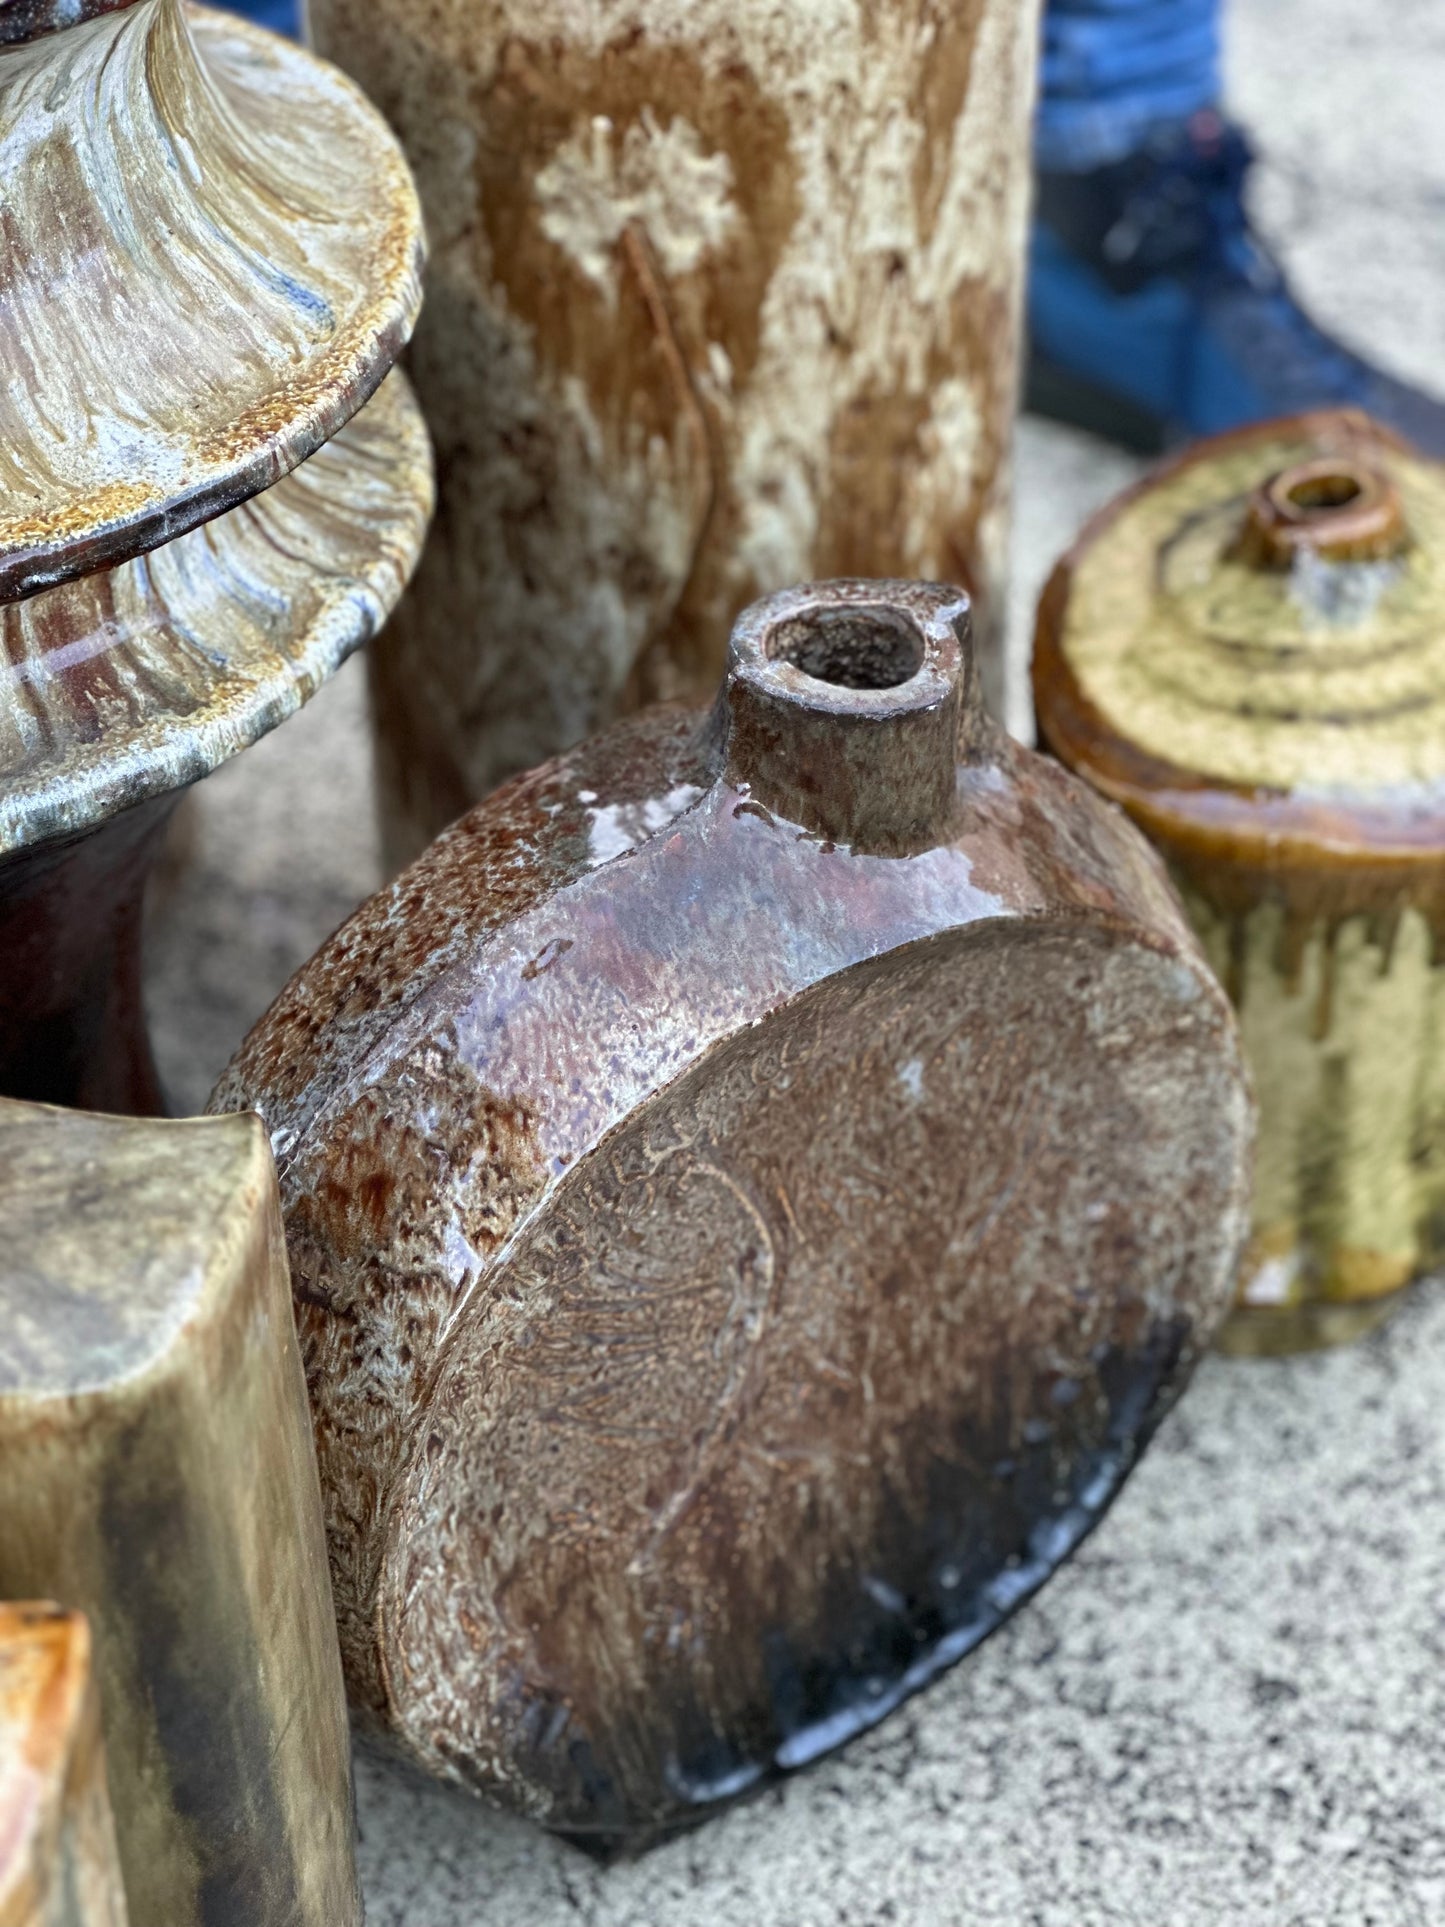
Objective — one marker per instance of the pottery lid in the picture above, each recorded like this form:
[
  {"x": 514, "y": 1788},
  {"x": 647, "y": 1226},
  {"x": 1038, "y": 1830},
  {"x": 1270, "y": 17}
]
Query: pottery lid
[
  {"x": 213, "y": 252},
  {"x": 1257, "y": 632},
  {"x": 144, "y": 677}
]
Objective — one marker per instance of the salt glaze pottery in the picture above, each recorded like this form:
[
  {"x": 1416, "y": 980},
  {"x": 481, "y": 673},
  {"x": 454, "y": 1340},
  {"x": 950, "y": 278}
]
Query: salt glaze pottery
[
  {"x": 752, "y": 1187},
  {"x": 118, "y": 690},
  {"x": 723, "y": 295},
  {"x": 212, "y": 255},
  {"x": 58, "y": 1865},
  {"x": 157, "y": 1472},
  {"x": 1248, "y": 652}
]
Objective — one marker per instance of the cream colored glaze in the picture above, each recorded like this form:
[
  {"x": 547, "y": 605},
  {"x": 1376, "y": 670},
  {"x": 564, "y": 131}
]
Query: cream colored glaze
[
  {"x": 1248, "y": 675},
  {"x": 132, "y": 682},
  {"x": 151, "y": 1397},
  {"x": 1347, "y": 1051},
  {"x": 723, "y": 295},
  {"x": 212, "y": 253}
]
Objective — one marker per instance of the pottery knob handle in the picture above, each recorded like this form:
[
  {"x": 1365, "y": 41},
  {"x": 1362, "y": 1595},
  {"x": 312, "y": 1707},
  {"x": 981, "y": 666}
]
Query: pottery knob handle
[
  {"x": 848, "y": 706},
  {"x": 1338, "y": 507}
]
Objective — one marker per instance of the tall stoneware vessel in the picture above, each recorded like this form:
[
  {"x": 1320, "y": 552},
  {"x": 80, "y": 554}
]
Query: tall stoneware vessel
[
  {"x": 157, "y": 1472},
  {"x": 752, "y": 1188},
  {"x": 723, "y": 294},
  {"x": 1247, "y": 651},
  {"x": 212, "y": 256}
]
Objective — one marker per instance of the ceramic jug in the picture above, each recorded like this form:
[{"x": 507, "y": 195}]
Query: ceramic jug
[{"x": 752, "y": 1188}]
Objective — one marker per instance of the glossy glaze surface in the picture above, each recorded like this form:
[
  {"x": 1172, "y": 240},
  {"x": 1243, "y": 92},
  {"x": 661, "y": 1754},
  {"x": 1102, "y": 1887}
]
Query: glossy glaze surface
[
  {"x": 724, "y": 295},
  {"x": 1276, "y": 723},
  {"x": 152, "y": 1400},
  {"x": 58, "y": 1865},
  {"x": 131, "y": 683},
  {"x": 212, "y": 255},
  {"x": 751, "y": 1188},
  {"x": 118, "y": 690}
]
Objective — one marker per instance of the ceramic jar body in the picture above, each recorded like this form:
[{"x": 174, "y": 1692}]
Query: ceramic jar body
[
  {"x": 751, "y": 1188},
  {"x": 721, "y": 297},
  {"x": 1341, "y": 1010}
]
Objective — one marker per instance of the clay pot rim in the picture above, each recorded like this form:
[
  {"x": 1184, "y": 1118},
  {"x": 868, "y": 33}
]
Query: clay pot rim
[
  {"x": 163, "y": 753},
  {"x": 912, "y": 621},
  {"x": 237, "y": 446},
  {"x": 1211, "y": 815}
]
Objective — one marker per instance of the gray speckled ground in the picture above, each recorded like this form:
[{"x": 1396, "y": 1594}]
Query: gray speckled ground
[{"x": 1230, "y": 1709}]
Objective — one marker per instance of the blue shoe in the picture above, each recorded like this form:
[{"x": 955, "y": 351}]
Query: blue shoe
[{"x": 1156, "y": 313}]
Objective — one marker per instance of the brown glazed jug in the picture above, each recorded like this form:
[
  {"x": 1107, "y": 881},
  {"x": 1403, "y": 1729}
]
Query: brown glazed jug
[{"x": 752, "y": 1188}]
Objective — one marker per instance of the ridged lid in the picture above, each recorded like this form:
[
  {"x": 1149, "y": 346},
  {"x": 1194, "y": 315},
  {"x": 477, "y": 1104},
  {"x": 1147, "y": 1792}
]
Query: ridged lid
[
  {"x": 1254, "y": 637},
  {"x": 212, "y": 255},
  {"x": 144, "y": 677}
]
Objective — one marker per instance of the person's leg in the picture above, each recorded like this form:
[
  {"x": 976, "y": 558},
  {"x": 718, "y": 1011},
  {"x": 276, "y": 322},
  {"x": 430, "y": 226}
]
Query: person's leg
[
  {"x": 281, "y": 16},
  {"x": 1155, "y": 311},
  {"x": 1112, "y": 70}
]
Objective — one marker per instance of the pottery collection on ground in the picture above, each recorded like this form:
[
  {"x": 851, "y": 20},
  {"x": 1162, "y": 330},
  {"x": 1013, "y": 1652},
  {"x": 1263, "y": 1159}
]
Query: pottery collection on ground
[{"x": 706, "y": 1242}]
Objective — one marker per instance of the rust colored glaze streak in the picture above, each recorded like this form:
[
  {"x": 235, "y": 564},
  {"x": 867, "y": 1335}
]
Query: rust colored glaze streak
[
  {"x": 752, "y": 1187},
  {"x": 722, "y": 294},
  {"x": 58, "y": 1864}
]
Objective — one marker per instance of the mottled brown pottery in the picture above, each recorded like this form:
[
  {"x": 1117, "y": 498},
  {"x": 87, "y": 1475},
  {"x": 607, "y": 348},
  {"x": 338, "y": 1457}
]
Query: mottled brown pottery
[
  {"x": 723, "y": 295},
  {"x": 156, "y": 1471},
  {"x": 212, "y": 255},
  {"x": 751, "y": 1187},
  {"x": 1247, "y": 651},
  {"x": 118, "y": 690},
  {"x": 58, "y": 1865}
]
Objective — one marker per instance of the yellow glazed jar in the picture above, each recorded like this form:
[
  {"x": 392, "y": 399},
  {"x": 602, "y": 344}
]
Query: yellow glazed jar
[{"x": 1247, "y": 651}]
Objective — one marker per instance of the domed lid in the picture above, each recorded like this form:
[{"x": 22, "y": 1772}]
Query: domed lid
[
  {"x": 1254, "y": 638},
  {"x": 146, "y": 676},
  {"x": 212, "y": 255}
]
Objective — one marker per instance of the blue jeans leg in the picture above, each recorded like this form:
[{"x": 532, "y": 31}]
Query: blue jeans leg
[{"x": 1112, "y": 69}]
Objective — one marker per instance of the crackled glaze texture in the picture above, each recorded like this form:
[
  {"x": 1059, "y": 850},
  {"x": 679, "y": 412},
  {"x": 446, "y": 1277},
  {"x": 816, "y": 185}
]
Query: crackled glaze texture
[
  {"x": 212, "y": 254},
  {"x": 58, "y": 1865},
  {"x": 156, "y": 1470},
  {"x": 118, "y": 690},
  {"x": 722, "y": 295},
  {"x": 1248, "y": 652},
  {"x": 751, "y": 1189}
]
